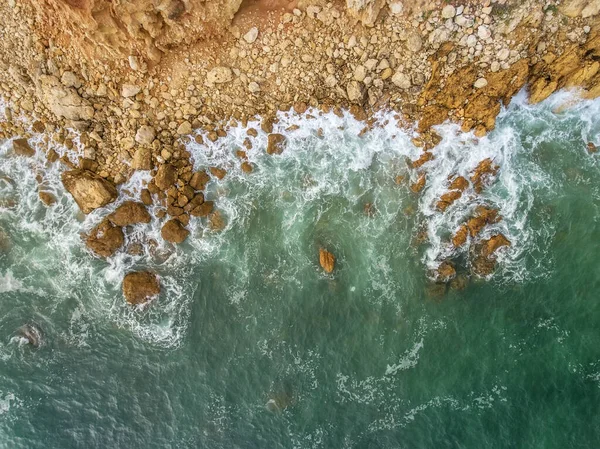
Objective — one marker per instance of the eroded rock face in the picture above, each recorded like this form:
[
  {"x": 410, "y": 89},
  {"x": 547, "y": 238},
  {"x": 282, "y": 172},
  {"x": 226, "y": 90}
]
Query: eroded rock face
[
  {"x": 130, "y": 213},
  {"x": 89, "y": 190},
  {"x": 63, "y": 101},
  {"x": 139, "y": 287},
  {"x": 105, "y": 239},
  {"x": 327, "y": 260},
  {"x": 174, "y": 232}
]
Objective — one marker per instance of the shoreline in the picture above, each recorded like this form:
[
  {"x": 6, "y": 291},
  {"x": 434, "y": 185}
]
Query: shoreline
[{"x": 456, "y": 63}]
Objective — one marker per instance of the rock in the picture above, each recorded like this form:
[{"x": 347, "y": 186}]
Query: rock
[
  {"x": 417, "y": 186},
  {"x": 69, "y": 79},
  {"x": 219, "y": 75},
  {"x": 327, "y": 260},
  {"x": 484, "y": 174},
  {"x": 63, "y": 101},
  {"x": 275, "y": 143},
  {"x": 145, "y": 135},
  {"x": 140, "y": 286},
  {"x": 89, "y": 190},
  {"x": 591, "y": 148},
  {"x": 414, "y": 42},
  {"x": 247, "y": 167},
  {"x": 22, "y": 148},
  {"x": 219, "y": 173},
  {"x": 460, "y": 282},
  {"x": 253, "y": 87},
  {"x": 166, "y": 176},
  {"x": 142, "y": 159},
  {"x": 355, "y": 91},
  {"x": 130, "y": 90},
  {"x": 251, "y": 35},
  {"x": 480, "y": 83},
  {"x": 401, "y": 80},
  {"x": 202, "y": 210},
  {"x": 483, "y": 32},
  {"x": 184, "y": 129},
  {"x": 366, "y": 11},
  {"x": 447, "y": 199},
  {"x": 146, "y": 197},
  {"x": 483, "y": 258},
  {"x": 199, "y": 180},
  {"x": 130, "y": 213},
  {"x": 459, "y": 183},
  {"x": 444, "y": 272},
  {"x": 460, "y": 237},
  {"x": 32, "y": 334},
  {"x": 448, "y": 12},
  {"x": 491, "y": 245},
  {"x": 216, "y": 221},
  {"x": 47, "y": 198},
  {"x": 105, "y": 239},
  {"x": 174, "y": 232}
]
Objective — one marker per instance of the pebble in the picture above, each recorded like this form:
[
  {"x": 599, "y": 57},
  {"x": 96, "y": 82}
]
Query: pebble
[
  {"x": 448, "y": 12},
  {"x": 480, "y": 83},
  {"x": 251, "y": 35}
]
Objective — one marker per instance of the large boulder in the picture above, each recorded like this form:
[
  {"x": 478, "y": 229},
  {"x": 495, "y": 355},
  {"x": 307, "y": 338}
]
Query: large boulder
[
  {"x": 21, "y": 147},
  {"x": 174, "y": 232},
  {"x": 139, "y": 287},
  {"x": 327, "y": 260},
  {"x": 166, "y": 176},
  {"x": 89, "y": 190},
  {"x": 130, "y": 213},
  {"x": 105, "y": 239}
]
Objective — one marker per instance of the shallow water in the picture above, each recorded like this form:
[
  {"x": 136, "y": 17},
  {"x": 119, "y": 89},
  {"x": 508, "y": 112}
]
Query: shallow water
[{"x": 251, "y": 345}]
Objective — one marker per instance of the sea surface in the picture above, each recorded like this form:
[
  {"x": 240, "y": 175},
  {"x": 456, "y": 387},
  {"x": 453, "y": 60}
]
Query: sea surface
[{"x": 251, "y": 345}]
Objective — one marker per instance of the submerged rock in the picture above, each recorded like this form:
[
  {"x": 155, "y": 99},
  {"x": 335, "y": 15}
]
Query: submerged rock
[
  {"x": 31, "y": 334},
  {"x": 199, "y": 180},
  {"x": 130, "y": 213},
  {"x": 483, "y": 257},
  {"x": 89, "y": 190},
  {"x": 139, "y": 287},
  {"x": 327, "y": 260},
  {"x": 47, "y": 198},
  {"x": 105, "y": 239},
  {"x": 174, "y": 232},
  {"x": 444, "y": 272},
  {"x": 484, "y": 174}
]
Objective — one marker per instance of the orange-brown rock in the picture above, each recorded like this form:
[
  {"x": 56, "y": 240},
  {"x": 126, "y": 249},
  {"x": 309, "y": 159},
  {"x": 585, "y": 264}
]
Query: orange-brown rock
[
  {"x": 419, "y": 184},
  {"x": 484, "y": 174},
  {"x": 216, "y": 221},
  {"x": 199, "y": 180},
  {"x": 491, "y": 245},
  {"x": 22, "y": 148},
  {"x": 459, "y": 183},
  {"x": 89, "y": 190},
  {"x": 247, "y": 167},
  {"x": 174, "y": 232},
  {"x": 592, "y": 148},
  {"x": 447, "y": 199},
  {"x": 139, "y": 287},
  {"x": 275, "y": 143},
  {"x": 217, "y": 172},
  {"x": 47, "y": 198},
  {"x": 460, "y": 237},
  {"x": 425, "y": 157},
  {"x": 483, "y": 216},
  {"x": 130, "y": 213},
  {"x": 166, "y": 176},
  {"x": 203, "y": 209},
  {"x": 483, "y": 258},
  {"x": 444, "y": 272},
  {"x": 146, "y": 197},
  {"x": 327, "y": 260},
  {"x": 105, "y": 239}
]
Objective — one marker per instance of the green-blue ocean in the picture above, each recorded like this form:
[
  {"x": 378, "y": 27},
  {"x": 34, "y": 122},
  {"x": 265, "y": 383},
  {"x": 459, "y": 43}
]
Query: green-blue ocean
[{"x": 250, "y": 344}]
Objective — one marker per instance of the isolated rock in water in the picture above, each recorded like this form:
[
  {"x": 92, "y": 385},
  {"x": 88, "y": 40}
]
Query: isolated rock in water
[
  {"x": 89, "y": 190},
  {"x": 174, "y": 232},
  {"x": 166, "y": 176},
  {"x": 327, "y": 260},
  {"x": 22, "y": 148},
  {"x": 459, "y": 183},
  {"x": 417, "y": 186},
  {"x": 139, "y": 287},
  {"x": 32, "y": 334},
  {"x": 592, "y": 148},
  {"x": 130, "y": 213},
  {"x": 447, "y": 199},
  {"x": 460, "y": 237},
  {"x": 275, "y": 143},
  {"x": 47, "y": 198},
  {"x": 105, "y": 239},
  {"x": 483, "y": 258},
  {"x": 64, "y": 101},
  {"x": 444, "y": 272},
  {"x": 484, "y": 174}
]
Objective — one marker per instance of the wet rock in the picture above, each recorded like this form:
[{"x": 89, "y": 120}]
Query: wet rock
[
  {"x": 484, "y": 174},
  {"x": 267, "y": 124},
  {"x": 491, "y": 245},
  {"x": 417, "y": 186},
  {"x": 436, "y": 290},
  {"x": 105, "y": 239},
  {"x": 216, "y": 221},
  {"x": 460, "y": 282},
  {"x": 31, "y": 334},
  {"x": 483, "y": 257},
  {"x": 447, "y": 199},
  {"x": 199, "y": 180},
  {"x": 444, "y": 272},
  {"x": 217, "y": 172},
  {"x": 146, "y": 197},
  {"x": 89, "y": 190},
  {"x": 327, "y": 260},
  {"x": 203, "y": 210},
  {"x": 140, "y": 286},
  {"x": 246, "y": 167},
  {"x": 460, "y": 237},
  {"x": 483, "y": 216},
  {"x": 166, "y": 176},
  {"x": 21, "y": 147},
  {"x": 174, "y": 232},
  {"x": 424, "y": 158},
  {"x": 591, "y": 148},
  {"x": 47, "y": 198},
  {"x": 130, "y": 213},
  {"x": 275, "y": 143},
  {"x": 459, "y": 183}
]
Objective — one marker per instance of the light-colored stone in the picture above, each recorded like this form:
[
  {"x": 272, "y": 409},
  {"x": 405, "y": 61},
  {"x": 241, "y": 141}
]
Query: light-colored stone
[
  {"x": 355, "y": 91},
  {"x": 184, "y": 129},
  {"x": 89, "y": 190},
  {"x": 145, "y": 135},
  {"x": 130, "y": 90},
  {"x": 480, "y": 83},
  {"x": 448, "y": 12},
  {"x": 219, "y": 75},
  {"x": 401, "y": 80},
  {"x": 484, "y": 32},
  {"x": 251, "y": 35}
]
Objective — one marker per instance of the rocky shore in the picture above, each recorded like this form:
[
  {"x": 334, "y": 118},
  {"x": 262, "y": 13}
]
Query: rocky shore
[{"x": 127, "y": 84}]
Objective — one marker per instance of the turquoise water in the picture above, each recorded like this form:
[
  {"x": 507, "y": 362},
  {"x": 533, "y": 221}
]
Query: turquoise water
[{"x": 251, "y": 345}]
